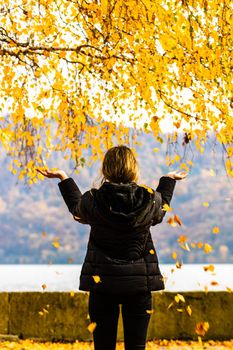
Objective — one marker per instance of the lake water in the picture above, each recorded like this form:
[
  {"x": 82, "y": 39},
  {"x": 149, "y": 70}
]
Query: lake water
[{"x": 190, "y": 277}]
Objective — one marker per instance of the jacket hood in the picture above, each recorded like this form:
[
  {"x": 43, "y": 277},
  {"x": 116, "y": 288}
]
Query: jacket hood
[{"x": 127, "y": 204}]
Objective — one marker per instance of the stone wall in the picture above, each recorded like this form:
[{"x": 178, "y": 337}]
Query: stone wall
[{"x": 59, "y": 316}]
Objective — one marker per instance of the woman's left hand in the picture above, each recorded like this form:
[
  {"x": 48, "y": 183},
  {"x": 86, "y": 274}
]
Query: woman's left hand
[
  {"x": 53, "y": 174},
  {"x": 177, "y": 175}
]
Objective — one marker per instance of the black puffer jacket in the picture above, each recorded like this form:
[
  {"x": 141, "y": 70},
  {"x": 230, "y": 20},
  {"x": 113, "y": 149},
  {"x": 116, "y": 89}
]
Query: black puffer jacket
[{"x": 120, "y": 252}]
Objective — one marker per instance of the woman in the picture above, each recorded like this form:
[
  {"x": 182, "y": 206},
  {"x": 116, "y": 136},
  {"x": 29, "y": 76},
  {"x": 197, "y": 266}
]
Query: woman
[{"x": 121, "y": 264}]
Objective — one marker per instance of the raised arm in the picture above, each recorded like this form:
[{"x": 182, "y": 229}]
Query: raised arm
[
  {"x": 166, "y": 188},
  {"x": 70, "y": 193}
]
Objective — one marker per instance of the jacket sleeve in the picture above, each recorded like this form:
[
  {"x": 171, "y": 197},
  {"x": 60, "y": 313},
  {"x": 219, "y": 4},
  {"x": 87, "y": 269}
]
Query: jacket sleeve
[
  {"x": 75, "y": 200},
  {"x": 165, "y": 189}
]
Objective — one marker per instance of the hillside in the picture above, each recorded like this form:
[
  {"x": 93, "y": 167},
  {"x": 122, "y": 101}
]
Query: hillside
[{"x": 33, "y": 217}]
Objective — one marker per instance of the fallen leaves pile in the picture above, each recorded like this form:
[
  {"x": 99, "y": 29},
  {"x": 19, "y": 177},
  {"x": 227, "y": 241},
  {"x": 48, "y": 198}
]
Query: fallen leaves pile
[{"x": 155, "y": 345}]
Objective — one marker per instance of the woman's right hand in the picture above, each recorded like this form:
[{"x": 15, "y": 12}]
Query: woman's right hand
[
  {"x": 53, "y": 174},
  {"x": 177, "y": 175}
]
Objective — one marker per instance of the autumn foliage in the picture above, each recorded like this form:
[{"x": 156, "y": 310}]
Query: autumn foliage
[{"x": 71, "y": 70}]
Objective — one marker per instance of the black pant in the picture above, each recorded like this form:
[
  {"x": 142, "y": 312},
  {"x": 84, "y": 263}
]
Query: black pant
[{"x": 104, "y": 311}]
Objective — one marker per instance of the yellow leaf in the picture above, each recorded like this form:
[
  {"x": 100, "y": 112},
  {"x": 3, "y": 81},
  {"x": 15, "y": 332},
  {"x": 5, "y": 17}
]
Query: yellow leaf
[
  {"x": 174, "y": 255},
  {"x": 72, "y": 293},
  {"x": 178, "y": 265},
  {"x": 91, "y": 327},
  {"x": 179, "y": 297},
  {"x": 152, "y": 251},
  {"x": 147, "y": 188},
  {"x": 201, "y": 328},
  {"x": 177, "y": 158},
  {"x": 229, "y": 290},
  {"x": 215, "y": 230},
  {"x": 177, "y": 219},
  {"x": 182, "y": 239},
  {"x": 189, "y": 310},
  {"x": 214, "y": 283},
  {"x": 96, "y": 279},
  {"x": 44, "y": 286},
  {"x": 62, "y": 54},
  {"x": 166, "y": 207},
  {"x": 170, "y": 305},
  {"x": 207, "y": 248},
  {"x": 56, "y": 244},
  {"x": 41, "y": 313},
  {"x": 206, "y": 204},
  {"x": 209, "y": 268},
  {"x": 171, "y": 222},
  {"x": 150, "y": 312}
]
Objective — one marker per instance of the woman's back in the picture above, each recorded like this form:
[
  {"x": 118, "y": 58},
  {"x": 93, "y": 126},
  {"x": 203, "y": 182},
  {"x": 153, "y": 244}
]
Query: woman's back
[{"x": 121, "y": 264}]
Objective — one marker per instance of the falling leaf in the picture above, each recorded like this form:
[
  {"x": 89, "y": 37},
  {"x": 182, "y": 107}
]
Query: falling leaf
[
  {"x": 91, "y": 327},
  {"x": 216, "y": 230},
  {"x": 44, "y": 286},
  {"x": 214, "y": 283},
  {"x": 171, "y": 222},
  {"x": 178, "y": 265},
  {"x": 209, "y": 268},
  {"x": 201, "y": 328},
  {"x": 96, "y": 279},
  {"x": 207, "y": 248},
  {"x": 180, "y": 310},
  {"x": 229, "y": 290},
  {"x": 193, "y": 245},
  {"x": 152, "y": 251},
  {"x": 41, "y": 313},
  {"x": 189, "y": 310},
  {"x": 150, "y": 312},
  {"x": 206, "y": 289},
  {"x": 200, "y": 245},
  {"x": 179, "y": 297},
  {"x": 166, "y": 207},
  {"x": 56, "y": 244},
  {"x": 72, "y": 293},
  {"x": 170, "y": 305},
  {"x": 174, "y": 255},
  {"x": 185, "y": 246},
  {"x": 177, "y": 219},
  {"x": 206, "y": 204},
  {"x": 182, "y": 239}
]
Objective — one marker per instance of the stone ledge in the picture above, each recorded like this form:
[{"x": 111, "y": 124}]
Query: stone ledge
[{"x": 58, "y": 316}]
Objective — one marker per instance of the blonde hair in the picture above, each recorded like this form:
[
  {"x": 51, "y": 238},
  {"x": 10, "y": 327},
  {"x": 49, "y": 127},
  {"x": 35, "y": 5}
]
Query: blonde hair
[{"x": 119, "y": 166}]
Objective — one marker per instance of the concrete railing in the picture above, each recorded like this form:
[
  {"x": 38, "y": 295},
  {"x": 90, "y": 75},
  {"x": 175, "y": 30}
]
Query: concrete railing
[{"x": 62, "y": 316}]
